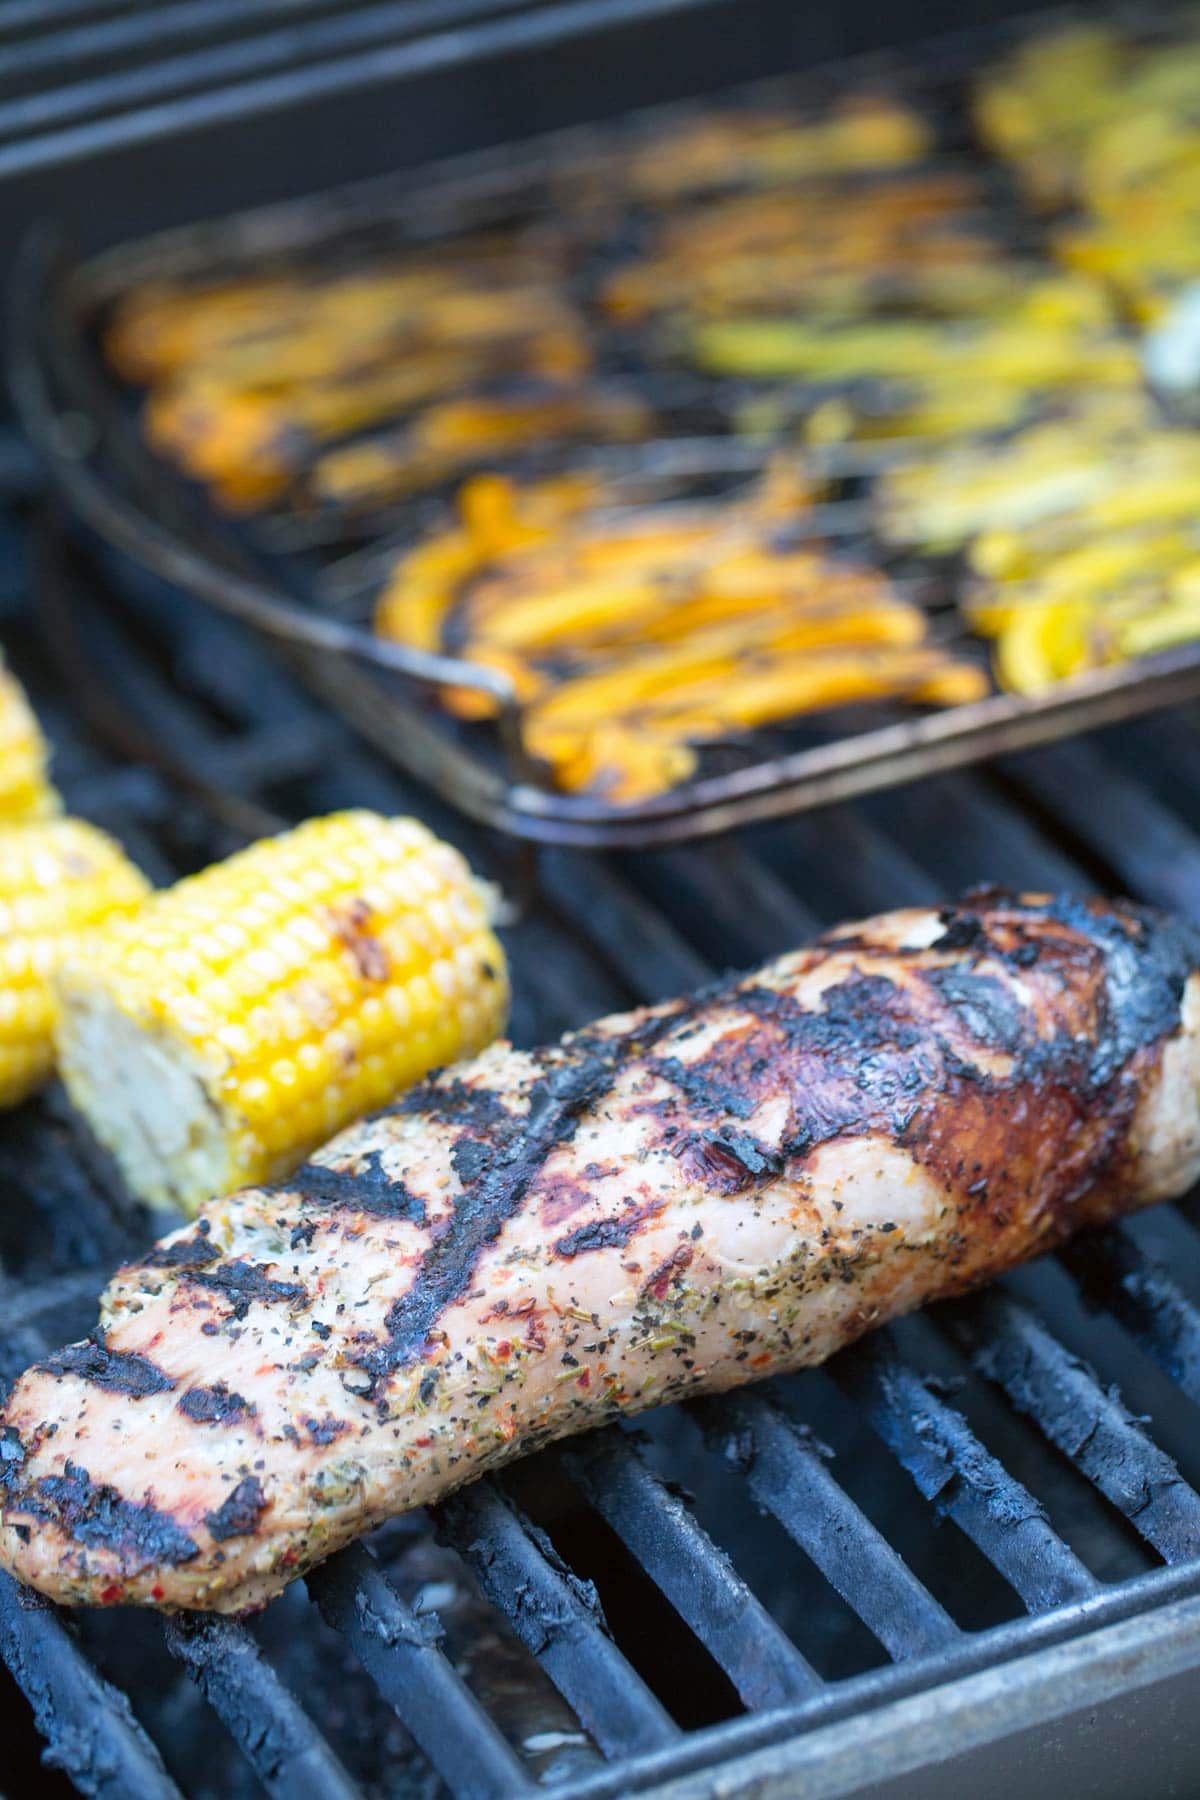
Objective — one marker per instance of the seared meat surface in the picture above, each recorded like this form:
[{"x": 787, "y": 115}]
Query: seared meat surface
[{"x": 674, "y": 1201}]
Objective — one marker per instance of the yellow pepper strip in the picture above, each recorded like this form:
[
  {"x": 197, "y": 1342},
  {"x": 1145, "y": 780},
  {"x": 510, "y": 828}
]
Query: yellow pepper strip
[
  {"x": 414, "y": 604},
  {"x": 562, "y": 614},
  {"x": 1175, "y": 622},
  {"x": 302, "y": 322},
  {"x": 626, "y": 764},
  {"x": 495, "y": 518},
  {"x": 1090, "y": 571},
  {"x": 834, "y": 676},
  {"x": 1043, "y": 644},
  {"x": 955, "y": 684},
  {"x": 648, "y": 752},
  {"x": 605, "y": 584},
  {"x": 452, "y": 434},
  {"x": 861, "y": 131},
  {"x": 1024, "y": 354},
  {"x": 1106, "y": 460},
  {"x": 249, "y": 445},
  {"x": 718, "y": 670}
]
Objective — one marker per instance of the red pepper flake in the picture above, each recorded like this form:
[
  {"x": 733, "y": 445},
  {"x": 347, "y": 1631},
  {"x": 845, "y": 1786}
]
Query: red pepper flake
[
  {"x": 423, "y": 1443},
  {"x": 761, "y": 1362},
  {"x": 666, "y": 1272},
  {"x": 584, "y": 1378},
  {"x": 289, "y": 1556},
  {"x": 110, "y": 1595},
  {"x": 534, "y": 1335},
  {"x": 158, "y": 1593},
  {"x": 503, "y": 1349}
]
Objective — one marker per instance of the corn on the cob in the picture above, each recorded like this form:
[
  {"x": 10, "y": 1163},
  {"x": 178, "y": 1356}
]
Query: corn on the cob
[
  {"x": 255, "y": 1009},
  {"x": 58, "y": 879},
  {"x": 25, "y": 791}
]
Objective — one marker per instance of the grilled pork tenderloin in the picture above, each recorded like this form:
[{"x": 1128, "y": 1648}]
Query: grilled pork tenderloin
[{"x": 672, "y": 1202}]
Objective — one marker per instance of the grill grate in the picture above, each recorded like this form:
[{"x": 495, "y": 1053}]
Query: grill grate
[{"x": 1034, "y": 1461}]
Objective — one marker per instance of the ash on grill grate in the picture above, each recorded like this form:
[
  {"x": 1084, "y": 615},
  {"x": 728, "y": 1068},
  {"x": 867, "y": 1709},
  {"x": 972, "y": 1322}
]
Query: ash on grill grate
[{"x": 623, "y": 1634}]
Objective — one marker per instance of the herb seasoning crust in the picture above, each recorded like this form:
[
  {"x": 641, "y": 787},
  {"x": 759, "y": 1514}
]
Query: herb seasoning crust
[{"x": 672, "y": 1202}]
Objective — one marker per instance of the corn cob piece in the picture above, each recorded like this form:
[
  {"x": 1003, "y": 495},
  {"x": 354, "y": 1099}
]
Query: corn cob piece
[
  {"x": 59, "y": 879},
  {"x": 25, "y": 791},
  {"x": 255, "y": 1009}
]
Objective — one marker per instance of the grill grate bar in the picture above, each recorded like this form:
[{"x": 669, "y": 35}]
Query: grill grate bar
[
  {"x": 635, "y": 940},
  {"x": 87, "y": 1723},
  {"x": 143, "y": 31},
  {"x": 400, "y": 1652},
  {"x": 1009, "y": 1344},
  {"x": 651, "y": 945},
  {"x": 952, "y": 1469},
  {"x": 557, "y": 1617},
  {"x": 1148, "y": 848},
  {"x": 278, "y": 1739},
  {"x": 23, "y": 1310},
  {"x": 115, "y": 89},
  {"x": 1116, "y": 1273},
  {"x": 432, "y": 49},
  {"x": 787, "y": 1473},
  {"x": 741, "y": 897},
  {"x": 695, "y": 1575}
]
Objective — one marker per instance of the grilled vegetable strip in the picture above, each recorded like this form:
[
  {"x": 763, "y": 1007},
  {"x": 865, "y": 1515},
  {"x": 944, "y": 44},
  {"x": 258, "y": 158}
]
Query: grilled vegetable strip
[
  {"x": 1108, "y": 126},
  {"x": 249, "y": 384},
  {"x": 670, "y": 1203},
  {"x": 1023, "y": 356},
  {"x": 456, "y": 435},
  {"x": 1079, "y": 532},
  {"x": 59, "y": 880},
  {"x": 295, "y": 325},
  {"x": 25, "y": 790},
  {"x": 811, "y": 246},
  {"x": 256, "y": 1008},
  {"x": 633, "y": 638},
  {"x": 727, "y": 148}
]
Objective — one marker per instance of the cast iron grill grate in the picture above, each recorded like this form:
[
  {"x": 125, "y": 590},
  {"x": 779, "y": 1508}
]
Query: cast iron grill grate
[{"x": 647, "y": 1635}]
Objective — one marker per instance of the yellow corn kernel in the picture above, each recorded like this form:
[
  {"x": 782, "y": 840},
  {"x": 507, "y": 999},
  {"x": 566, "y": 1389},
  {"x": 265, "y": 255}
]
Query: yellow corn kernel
[
  {"x": 25, "y": 792},
  {"x": 58, "y": 879},
  {"x": 255, "y": 1009}
]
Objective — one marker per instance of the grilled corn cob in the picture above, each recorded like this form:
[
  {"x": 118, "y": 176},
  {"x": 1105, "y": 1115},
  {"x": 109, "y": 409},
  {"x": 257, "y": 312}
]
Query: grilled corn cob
[
  {"x": 25, "y": 792},
  {"x": 58, "y": 879},
  {"x": 253, "y": 1010}
]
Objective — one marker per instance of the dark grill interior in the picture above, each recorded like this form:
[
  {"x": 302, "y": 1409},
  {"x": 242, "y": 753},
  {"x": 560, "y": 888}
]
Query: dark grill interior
[{"x": 649, "y": 1601}]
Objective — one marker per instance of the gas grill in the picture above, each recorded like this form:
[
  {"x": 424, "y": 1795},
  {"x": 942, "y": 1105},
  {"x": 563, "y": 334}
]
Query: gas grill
[
  {"x": 311, "y": 584},
  {"x": 963, "y": 1557}
]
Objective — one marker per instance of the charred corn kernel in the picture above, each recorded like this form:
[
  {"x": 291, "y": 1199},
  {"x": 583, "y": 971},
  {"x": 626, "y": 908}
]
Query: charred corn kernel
[
  {"x": 58, "y": 880},
  {"x": 253, "y": 1010},
  {"x": 25, "y": 791}
]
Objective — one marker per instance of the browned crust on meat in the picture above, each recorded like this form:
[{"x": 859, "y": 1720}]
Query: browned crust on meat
[{"x": 1004, "y": 1054}]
